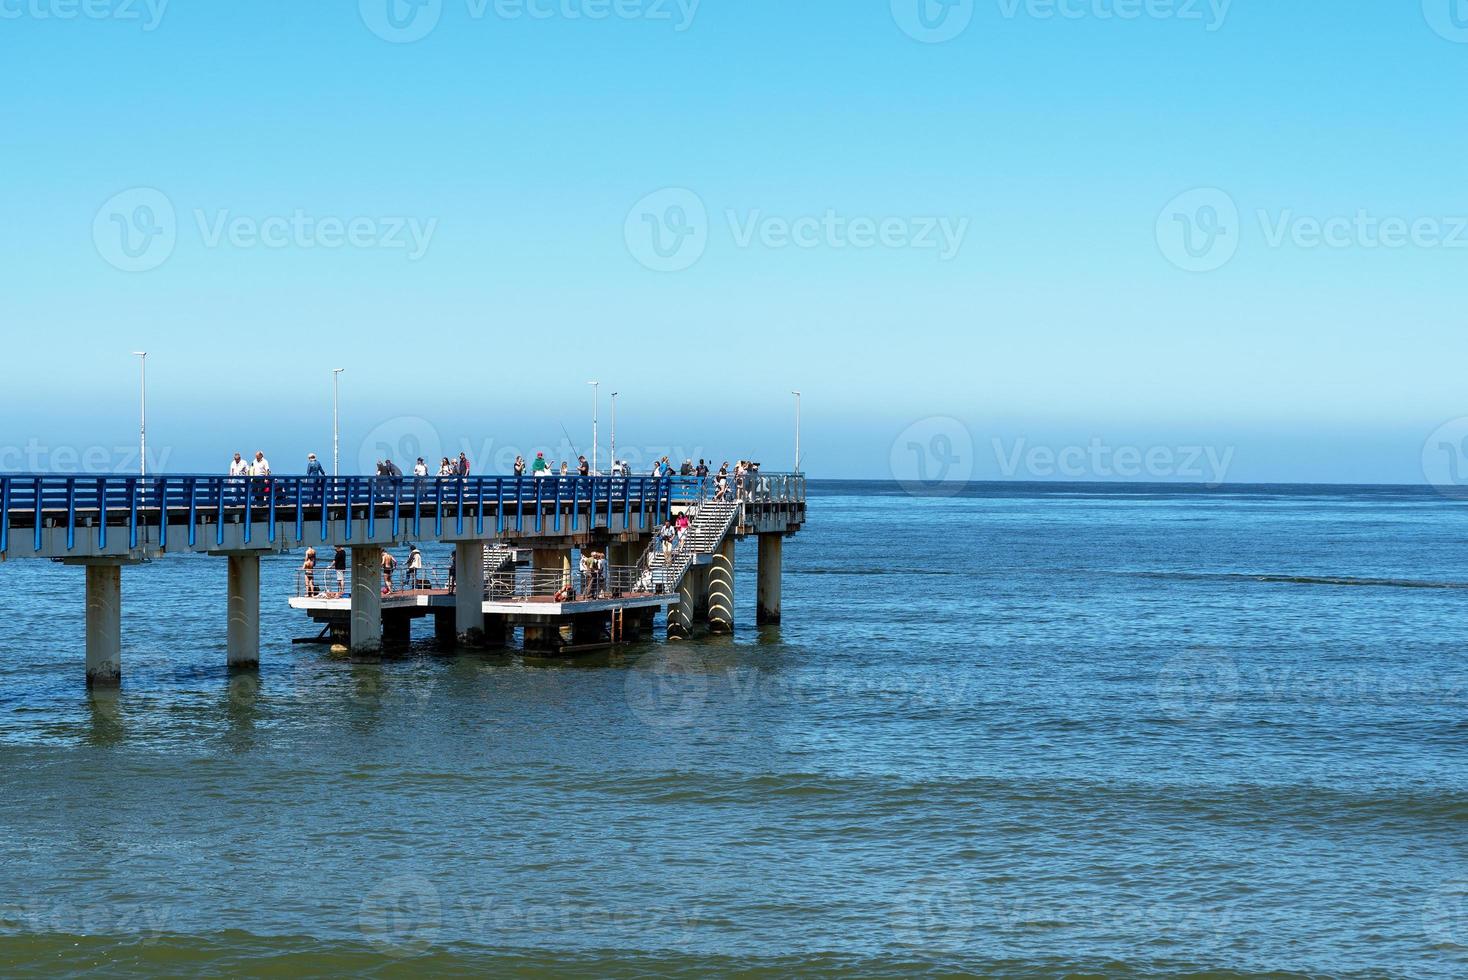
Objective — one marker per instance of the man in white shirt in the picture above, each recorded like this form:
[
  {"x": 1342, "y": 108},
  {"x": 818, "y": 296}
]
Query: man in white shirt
[
  {"x": 238, "y": 467},
  {"x": 261, "y": 467}
]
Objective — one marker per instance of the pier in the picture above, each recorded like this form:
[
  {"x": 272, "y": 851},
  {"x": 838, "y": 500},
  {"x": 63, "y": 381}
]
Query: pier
[{"x": 111, "y": 523}]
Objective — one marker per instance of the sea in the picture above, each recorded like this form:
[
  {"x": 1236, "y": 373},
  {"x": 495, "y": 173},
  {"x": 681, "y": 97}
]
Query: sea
[{"x": 1005, "y": 729}]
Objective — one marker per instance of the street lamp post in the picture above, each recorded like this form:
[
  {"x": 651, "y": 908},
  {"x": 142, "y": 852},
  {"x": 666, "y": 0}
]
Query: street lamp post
[
  {"x": 336, "y": 416},
  {"x": 142, "y": 357},
  {"x": 614, "y": 433},
  {"x": 595, "y": 402},
  {"x": 797, "y": 431}
]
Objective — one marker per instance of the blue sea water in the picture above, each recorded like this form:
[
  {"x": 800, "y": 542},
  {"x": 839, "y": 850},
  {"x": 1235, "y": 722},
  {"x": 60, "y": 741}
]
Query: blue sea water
[{"x": 1017, "y": 730}]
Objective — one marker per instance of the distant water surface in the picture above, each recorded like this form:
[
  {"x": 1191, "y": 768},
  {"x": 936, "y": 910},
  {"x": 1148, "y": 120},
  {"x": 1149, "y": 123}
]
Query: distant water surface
[{"x": 1038, "y": 730}]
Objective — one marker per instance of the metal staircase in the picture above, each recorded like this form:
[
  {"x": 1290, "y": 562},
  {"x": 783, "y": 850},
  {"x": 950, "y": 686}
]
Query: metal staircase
[
  {"x": 711, "y": 522},
  {"x": 498, "y": 558}
]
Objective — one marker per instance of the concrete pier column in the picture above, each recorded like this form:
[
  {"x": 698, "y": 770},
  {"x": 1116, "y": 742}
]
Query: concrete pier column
[
  {"x": 699, "y": 576},
  {"x": 242, "y": 636},
  {"x": 104, "y": 625},
  {"x": 366, "y": 599},
  {"x": 444, "y": 631},
  {"x": 771, "y": 549},
  {"x": 680, "y": 616},
  {"x": 721, "y": 589},
  {"x": 469, "y": 592}
]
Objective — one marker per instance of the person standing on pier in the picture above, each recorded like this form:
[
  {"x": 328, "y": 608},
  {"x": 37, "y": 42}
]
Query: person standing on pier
[
  {"x": 420, "y": 468},
  {"x": 463, "y": 464},
  {"x": 539, "y": 467},
  {"x": 583, "y": 468},
  {"x": 519, "y": 466},
  {"x": 261, "y": 466},
  {"x": 389, "y": 565},
  {"x": 414, "y": 578},
  {"x": 565, "y": 468},
  {"x": 314, "y": 468},
  {"x": 339, "y": 565},
  {"x": 308, "y": 570},
  {"x": 702, "y": 470},
  {"x": 238, "y": 467}
]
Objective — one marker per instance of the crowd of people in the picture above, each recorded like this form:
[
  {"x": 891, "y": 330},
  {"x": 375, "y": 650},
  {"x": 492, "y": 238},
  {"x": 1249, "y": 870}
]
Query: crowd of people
[{"x": 738, "y": 484}]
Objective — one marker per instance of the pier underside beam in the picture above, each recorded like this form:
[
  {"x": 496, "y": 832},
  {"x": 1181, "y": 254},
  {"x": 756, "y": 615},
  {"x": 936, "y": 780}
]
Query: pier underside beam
[
  {"x": 771, "y": 550},
  {"x": 721, "y": 589},
  {"x": 104, "y": 625},
  {"x": 366, "y": 599},
  {"x": 469, "y": 593},
  {"x": 242, "y": 634}
]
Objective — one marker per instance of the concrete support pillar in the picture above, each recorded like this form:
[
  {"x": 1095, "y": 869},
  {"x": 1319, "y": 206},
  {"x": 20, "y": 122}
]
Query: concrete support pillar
[
  {"x": 397, "y": 631},
  {"x": 469, "y": 592},
  {"x": 699, "y": 576},
  {"x": 366, "y": 599},
  {"x": 771, "y": 549},
  {"x": 242, "y": 636},
  {"x": 496, "y": 631},
  {"x": 444, "y": 631},
  {"x": 680, "y": 616},
  {"x": 104, "y": 625},
  {"x": 721, "y": 589}
]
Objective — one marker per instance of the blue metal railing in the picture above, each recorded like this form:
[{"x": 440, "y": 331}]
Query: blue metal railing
[{"x": 141, "y": 503}]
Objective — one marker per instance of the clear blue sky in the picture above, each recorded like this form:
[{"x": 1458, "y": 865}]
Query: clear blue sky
[{"x": 526, "y": 143}]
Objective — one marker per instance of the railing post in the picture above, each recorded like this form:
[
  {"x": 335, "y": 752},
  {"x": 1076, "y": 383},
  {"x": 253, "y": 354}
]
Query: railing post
[
  {"x": 163, "y": 512},
  {"x": 327, "y": 490},
  {"x": 539, "y": 500},
  {"x": 371, "y": 508},
  {"x": 626, "y": 503},
  {"x": 459, "y": 509},
  {"x": 349, "y": 491},
  {"x": 270, "y": 487},
  {"x": 499, "y": 506},
  {"x": 557, "y": 524},
  {"x": 575, "y": 504},
  {"x": 479, "y": 507},
  {"x": 38, "y": 522},
  {"x": 132, "y": 511},
  {"x": 249, "y": 507},
  {"x": 70, "y": 512},
  {"x": 193, "y": 488},
  {"x": 219, "y": 514},
  {"x": 300, "y": 511},
  {"x": 519, "y": 505},
  {"x": 101, "y": 513},
  {"x": 397, "y": 506},
  {"x": 418, "y": 507},
  {"x": 4, "y": 513}
]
